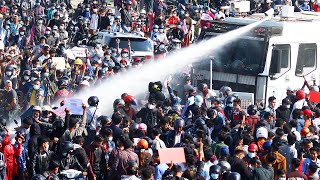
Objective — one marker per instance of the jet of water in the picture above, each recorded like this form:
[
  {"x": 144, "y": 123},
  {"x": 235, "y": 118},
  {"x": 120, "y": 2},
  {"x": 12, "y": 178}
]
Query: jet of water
[{"x": 136, "y": 80}]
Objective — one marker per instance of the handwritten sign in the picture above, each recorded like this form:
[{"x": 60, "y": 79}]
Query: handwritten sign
[
  {"x": 60, "y": 111},
  {"x": 75, "y": 105},
  {"x": 174, "y": 155},
  {"x": 59, "y": 62},
  {"x": 79, "y": 52}
]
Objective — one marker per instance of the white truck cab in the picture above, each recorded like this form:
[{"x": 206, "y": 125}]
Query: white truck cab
[{"x": 264, "y": 62}]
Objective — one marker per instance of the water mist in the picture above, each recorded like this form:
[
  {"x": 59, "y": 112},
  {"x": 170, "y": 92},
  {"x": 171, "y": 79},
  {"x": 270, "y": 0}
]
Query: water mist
[{"x": 135, "y": 81}]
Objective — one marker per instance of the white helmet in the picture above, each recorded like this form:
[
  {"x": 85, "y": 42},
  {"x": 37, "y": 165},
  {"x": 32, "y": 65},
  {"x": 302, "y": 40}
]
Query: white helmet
[
  {"x": 143, "y": 11},
  {"x": 262, "y": 132},
  {"x": 198, "y": 100}
]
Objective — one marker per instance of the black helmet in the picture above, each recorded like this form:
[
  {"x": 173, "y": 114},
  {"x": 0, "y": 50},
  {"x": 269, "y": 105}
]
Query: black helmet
[
  {"x": 234, "y": 176},
  {"x": 118, "y": 102},
  {"x": 52, "y": 177},
  {"x": 199, "y": 122},
  {"x": 230, "y": 99},
  {"x": 179, "y": 123},
  {"x": 67, "y": 147},
  {"x": 62, "y": 84},
  {"x": 104, "y": 119},
  {"x": 202, "y": 86},
  {"x": 38, "y": 177},
  {"x": 225, "y": 166},
  {"x": 27, "y": 73},
  {"x": 215, "y": 169},
  {"x": 57, "y": 124},
  {"x": 93, "y": 101},
  {"x": 252, "y": 109},
  {"x": 134, "y": 127}
]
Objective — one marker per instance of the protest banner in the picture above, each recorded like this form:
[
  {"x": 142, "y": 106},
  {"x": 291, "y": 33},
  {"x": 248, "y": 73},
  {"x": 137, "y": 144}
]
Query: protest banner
[{"x": 174, "y": 155}]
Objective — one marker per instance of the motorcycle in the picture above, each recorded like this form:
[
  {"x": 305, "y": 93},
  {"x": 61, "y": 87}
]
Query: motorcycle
[{"x": 160, "y": 51}]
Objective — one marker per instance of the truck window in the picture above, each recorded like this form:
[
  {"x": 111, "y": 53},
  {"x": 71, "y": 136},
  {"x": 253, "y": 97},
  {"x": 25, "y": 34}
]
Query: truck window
[
  {"x": 281, "y": 60},
  {"x": 307, "y": 59}
]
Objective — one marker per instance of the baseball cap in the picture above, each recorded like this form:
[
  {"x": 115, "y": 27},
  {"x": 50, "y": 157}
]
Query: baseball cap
[{"x": 307, "y": 112}]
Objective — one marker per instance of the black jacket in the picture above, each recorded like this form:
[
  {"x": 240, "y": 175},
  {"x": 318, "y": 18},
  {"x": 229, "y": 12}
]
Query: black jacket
[
  {"x": 40, "y": 163},
  {"x": 239, "y": 166},
  {"x": 261, "y": 174},
  {"x": 71, "y": 163},
  {"x": 283, "y": 113},
  {"x": 170, "y": 138}
]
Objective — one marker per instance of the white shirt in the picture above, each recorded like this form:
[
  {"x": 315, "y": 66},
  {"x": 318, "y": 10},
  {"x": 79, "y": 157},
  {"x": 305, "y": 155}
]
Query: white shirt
[
  {"x": 94, "y": 123},
  {"x": 94, "y": 21},
  {"x": 128, "y": 177},
  {"x": 316, "y": 123},
  {"x": 158, "y": 144},
  {"x": 298, "y": 136},
  {"x": 177, "y": 139}
]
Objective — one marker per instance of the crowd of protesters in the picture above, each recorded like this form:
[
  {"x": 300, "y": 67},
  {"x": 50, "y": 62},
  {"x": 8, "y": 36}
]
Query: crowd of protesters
[{"x": 220, "y": 140}]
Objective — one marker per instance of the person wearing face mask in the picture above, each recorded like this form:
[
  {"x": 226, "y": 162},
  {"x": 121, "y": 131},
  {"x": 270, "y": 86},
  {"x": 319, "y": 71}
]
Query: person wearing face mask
[
  {"x": 116, "y": 26},
  {"x": 11, "y": 76},
  {"x": 20, "y": 39},
  {"x": 173, "y": 19},
  {"x": 37, "y": 31},
  {"x": 94, "y": 20},
  {"x": 252, "y": 153},
  {"x": 178, "y": 33},
  {"x": 108, "y": 143},
  {"x": 55, "y": 21},
  {"x": 35, "y": 96},
  {"x": 188, "y": 24},
  {"x": 150, "y": 115},
  {"x": 283, "y": 111},
  {"x": 10, "y": 101},
  {"x": 39, "y": 161},
  {"x": 86, "y": 12},
  {"x": 96, "y": 157},
  {"x": 238, "y": 164},
  {"x": 50, "y": 39},
  {"x": 162, "y": 36},
  {"x": 38, "y": 10},
  {"x": 126, "y": 17},
  {"x": 63, "y": 34}
]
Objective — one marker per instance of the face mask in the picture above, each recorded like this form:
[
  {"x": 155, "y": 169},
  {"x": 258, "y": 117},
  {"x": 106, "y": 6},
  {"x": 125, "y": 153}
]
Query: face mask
[
  {"x": 161, "y": 30},
  {"x": 282, "y": 178},
  {"x": 22, "y": 33},
  {"x": 230, "y": 105},
  {"x": 198, "y": 103},
  {"x": 288, "y": 106},
  {"x": 110, "y": 138},
  {"x": 125, "y": 55},
  {"x": 8, "y": 73},
  {"x": 305, "y": 3},
  {"x": 40, "y": 22},
  {"x": 87, "y": 9},
  {"x": 151, "y": 106},
  {"x": 179, "y": 26},
  {"x": 214, "y": 176},
  {"x": 26, "y": 78},
  {"x": 174, "y": 15},
  {"x": 46, "y": 74},
  {"x": 33, "y": 78},
  {"x": 95, "y": 10},
  {"x": 156, "y": 30},
  {"x": 61, "y": 27},
  {"x": 114, "y": 54},
  {"x": 47, "y": 32},
  {"x": 251, "y": 155},
  {"x": 36, "y": 87},
  {"x": 138, "y": 29},
  {"x": 45, "y": 119},
  {"x": 64, "y": 154},
  {"x": 15, "y": 10}
]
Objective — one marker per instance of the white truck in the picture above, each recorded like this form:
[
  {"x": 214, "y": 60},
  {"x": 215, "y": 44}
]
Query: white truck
[{"x": 265, "y": 61}]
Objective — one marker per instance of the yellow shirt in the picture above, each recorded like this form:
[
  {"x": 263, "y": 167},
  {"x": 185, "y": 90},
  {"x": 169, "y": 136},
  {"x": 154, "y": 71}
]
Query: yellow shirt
[{"x": 33, "y": 98}]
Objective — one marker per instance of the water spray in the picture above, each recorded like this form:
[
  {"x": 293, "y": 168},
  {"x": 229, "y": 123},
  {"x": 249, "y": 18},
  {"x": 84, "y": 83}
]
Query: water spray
[{"x": 135, "y": 81}]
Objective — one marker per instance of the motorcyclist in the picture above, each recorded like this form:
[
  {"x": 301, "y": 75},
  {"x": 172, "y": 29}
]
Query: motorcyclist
[{"x": 162, "y": 36}]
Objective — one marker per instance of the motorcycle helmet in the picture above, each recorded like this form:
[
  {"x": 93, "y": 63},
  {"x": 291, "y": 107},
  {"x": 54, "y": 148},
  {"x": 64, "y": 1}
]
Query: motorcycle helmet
[
  {"x": 230, "y": 99},
  {"x": 9, "y": 70},
  {"x": 93, "y": 101},
  {"x": 143, "y": 144},
  {"x": 21, "y": 134},
  {"x": 300, "y": 94},
  {"x": 38, "y": 177},
  {"x": 52, "y": 177},
  {"x": 252, "y": 109},
  {"x": 134, "y": 127},
  {"x": 215, "y": 171},
  {"x": 267, "y": 146},
  {"x": 62, "y": 84},
  {"x": 78, "y": 61},
  {"x": 67, "y": 147},
  {"x": 128, "y": 99},
  {"x": 118, "y": 102},
  {"x": 199, "y": 123},
  {"x": 234, "y": 176},
  {"x": 225, "y": 91},
  {"x": 253, "y": 147},
  {"x": 179, "y": 123},
  {"x": 198, "y": 100},
  {"x": 225, "y": 166}
]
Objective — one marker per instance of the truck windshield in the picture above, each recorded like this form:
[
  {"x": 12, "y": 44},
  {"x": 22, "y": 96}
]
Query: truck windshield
[
  {"x": 137, "y": 44},
  {"x": 243, "y": 56}
]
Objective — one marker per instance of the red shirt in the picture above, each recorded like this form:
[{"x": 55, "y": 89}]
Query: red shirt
[{"x": 316, "y": 7}]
